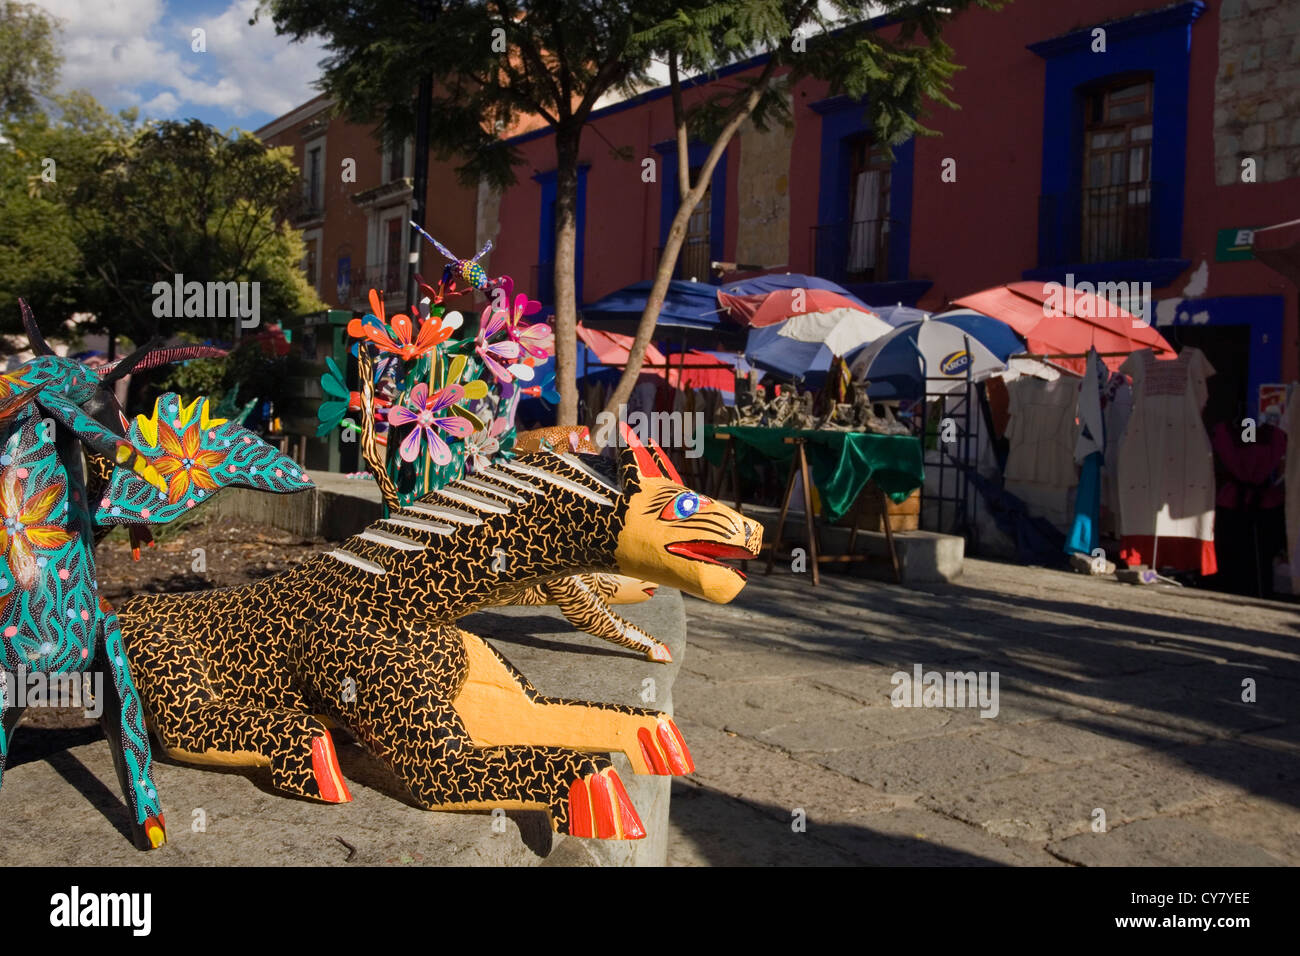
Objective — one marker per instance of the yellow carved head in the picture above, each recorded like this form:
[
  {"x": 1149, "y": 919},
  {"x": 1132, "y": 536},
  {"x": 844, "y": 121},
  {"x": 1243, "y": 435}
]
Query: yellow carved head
[{"x": 677, "y": 537}]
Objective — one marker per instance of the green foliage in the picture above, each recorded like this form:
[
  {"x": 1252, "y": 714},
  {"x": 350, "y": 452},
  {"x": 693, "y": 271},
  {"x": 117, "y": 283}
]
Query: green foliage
[
  {"x": 184, "y": 198},
  {"x": 98, "y": 209},
  {"x": 261, "y": 367},
  {"x": 29, "y": 63},
  {"x": 45, "y": 163},
  {"x": 898, "y": 71},
  {"x": 551, "y": 59}
]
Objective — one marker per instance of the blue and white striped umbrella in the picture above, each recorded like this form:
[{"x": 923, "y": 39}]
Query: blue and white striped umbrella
[{"x": 941, "y": 348}]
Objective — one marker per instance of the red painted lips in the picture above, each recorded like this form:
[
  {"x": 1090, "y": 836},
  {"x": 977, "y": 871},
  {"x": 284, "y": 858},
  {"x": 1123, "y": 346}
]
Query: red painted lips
[{"x": 710, "y": 552}]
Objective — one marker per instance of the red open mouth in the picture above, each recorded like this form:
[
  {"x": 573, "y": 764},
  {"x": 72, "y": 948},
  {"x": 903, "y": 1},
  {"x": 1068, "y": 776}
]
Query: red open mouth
[
  {"x": 710, "y": 551},
  {"x": 650, "y": 591}
]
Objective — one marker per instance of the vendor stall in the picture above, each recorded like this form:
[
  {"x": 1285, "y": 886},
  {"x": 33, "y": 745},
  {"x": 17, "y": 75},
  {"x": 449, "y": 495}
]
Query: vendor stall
[{"x": 838, "y": 464}]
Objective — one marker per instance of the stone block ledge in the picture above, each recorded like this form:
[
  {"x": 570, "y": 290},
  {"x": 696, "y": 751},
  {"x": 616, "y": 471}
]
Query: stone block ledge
[
  {"x": 924, "y": 557},
  {"x": 62, "y": 788}
]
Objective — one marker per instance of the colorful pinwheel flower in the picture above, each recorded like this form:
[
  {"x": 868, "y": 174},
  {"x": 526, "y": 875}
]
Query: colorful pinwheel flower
[
  {"x": 339, "y": 400},
  {"x": 493, "y": 353},
  {"x": 545, "y": 389},
  {"x": 422, "y": 412},
  {"x": 536, "y": 340},
  {"x": 483, "y": 444},
  {"x": 400, "y": 338}
]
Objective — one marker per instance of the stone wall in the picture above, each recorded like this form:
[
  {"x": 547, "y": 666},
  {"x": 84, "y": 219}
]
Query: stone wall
[
  {"x": 1257, "y": 91},
  {"x": 763, "y": 191}
]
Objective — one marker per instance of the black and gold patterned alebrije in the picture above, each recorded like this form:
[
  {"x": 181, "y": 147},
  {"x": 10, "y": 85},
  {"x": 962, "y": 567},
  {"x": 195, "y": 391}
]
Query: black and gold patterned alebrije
[{"x": 364, "y": 637}]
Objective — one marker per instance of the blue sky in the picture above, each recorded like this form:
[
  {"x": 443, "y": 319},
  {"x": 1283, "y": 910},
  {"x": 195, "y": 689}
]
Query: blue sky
[{"x": 140, "y": 53}]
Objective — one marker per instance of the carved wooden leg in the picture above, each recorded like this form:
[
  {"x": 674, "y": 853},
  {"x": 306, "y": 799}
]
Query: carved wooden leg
[
  {"x": 7, "y": 726},
  {"x": 499, "y": 706},
  {"x": 587, "y": 611},
  {"x": 402, "y": 712},
  {"x": 581, "y": 793},
  {"x": 123, "y": 721},
  {"x": 197, "y": 726}
]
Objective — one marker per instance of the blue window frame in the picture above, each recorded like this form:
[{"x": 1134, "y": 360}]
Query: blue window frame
[
  {"x": 545, "y": 291},
  {"x": 844, "y": 125},
  {"x": 1154, "y": 45},
  {"x": 697, "y": 154}
]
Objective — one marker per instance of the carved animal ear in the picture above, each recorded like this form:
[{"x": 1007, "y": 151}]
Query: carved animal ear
[
  {"x": 644, "y": 459},
  {"x": 226, "y": 455},
  {"x": 629, "y": 469},
  {"x": 664, "y": 462},
  {"x": 654, "y": 460}
]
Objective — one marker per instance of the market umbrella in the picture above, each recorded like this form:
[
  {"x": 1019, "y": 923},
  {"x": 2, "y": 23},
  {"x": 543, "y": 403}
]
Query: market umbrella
[
  {"x": 1074, "y": 324},
  {"x": 805, "y": 345},
  {"x": 768, "y": 308},
  {"x": 899, "y": 314},
  {"x": 694, "y": 370},
  {"x": 899, "y": 363},
  {"x": 701, "y": 370},
  {"x": 610, "y": 348},
  {"x": 690, "y": 314},
  {"x": 787, "y": 280}
]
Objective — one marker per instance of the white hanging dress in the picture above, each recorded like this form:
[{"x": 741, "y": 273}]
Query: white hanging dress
[{"x": 1166, "y": 466}]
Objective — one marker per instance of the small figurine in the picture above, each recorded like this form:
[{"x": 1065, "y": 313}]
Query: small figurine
[{"x": 473, "y": 274}]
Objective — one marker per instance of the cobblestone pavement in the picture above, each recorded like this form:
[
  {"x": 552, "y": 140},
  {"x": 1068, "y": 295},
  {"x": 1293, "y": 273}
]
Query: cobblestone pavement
[{"x": 1113, "y": 699}]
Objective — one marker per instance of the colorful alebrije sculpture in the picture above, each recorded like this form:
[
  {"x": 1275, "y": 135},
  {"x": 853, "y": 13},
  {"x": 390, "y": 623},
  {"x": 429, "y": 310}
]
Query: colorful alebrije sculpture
[
  {"x": 365, "y": 636},
  {"x": 446, "y": 438},
  {"x": 51, "y": 619},
  {"x": 474, "y": 275}
]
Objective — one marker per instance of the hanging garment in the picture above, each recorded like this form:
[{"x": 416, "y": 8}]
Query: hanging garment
[
  {"x": 1088, "y": 411},
  {"x": 1085, "y": 533},
  {"x": 1089, "y": 451},
  {"x": 1116, "y": 411},
  {"x": 1248, "y": 523},
  {"x": 1042, "y": 433},
  {"x": 1166, "y": 467}
]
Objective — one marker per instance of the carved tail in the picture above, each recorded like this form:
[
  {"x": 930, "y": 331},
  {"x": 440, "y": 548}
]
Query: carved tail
[{"x": 369, "y": 448}]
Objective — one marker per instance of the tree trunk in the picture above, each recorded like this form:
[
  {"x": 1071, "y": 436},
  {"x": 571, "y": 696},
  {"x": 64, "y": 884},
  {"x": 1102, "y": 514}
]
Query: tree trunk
[
  {"x": 566, "y": 293},
  {"x": 673, "y": 245}
]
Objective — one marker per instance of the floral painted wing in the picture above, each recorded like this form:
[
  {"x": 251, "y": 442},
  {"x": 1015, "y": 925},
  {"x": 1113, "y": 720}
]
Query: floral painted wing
[
  {"x": 47, "y": 573},
  {"x": 197, "y": 455}
]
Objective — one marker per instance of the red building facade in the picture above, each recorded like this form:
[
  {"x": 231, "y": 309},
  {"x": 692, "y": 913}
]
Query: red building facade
[{"x": 1122, "y": 142}]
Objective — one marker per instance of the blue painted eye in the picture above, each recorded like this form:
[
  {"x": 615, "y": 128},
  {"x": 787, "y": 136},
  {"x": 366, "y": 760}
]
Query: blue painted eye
[{"x": 682, "y": 506}]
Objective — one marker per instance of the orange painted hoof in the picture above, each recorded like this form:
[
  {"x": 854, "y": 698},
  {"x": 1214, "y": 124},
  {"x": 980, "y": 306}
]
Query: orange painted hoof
[
  {"x": 580, "y": 810},
  {"x": 155, "y": 828},
  {"x": 600, "y": 807},
  {"x": 659, "y": 652},
  {"x": 629, "y": 822},
  {"x": 325, "y": 767},
  {"x": 651, "y": 753},
  {"x": 674, "y": 747}
]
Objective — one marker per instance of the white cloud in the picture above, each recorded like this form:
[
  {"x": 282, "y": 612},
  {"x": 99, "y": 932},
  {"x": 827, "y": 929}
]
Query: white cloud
[
  {"x": 117, "y": 48},
  {"x": 164, "y": 104}
]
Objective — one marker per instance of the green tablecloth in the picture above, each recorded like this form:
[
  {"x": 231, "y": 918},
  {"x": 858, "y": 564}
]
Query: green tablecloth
[{"x": 841, "y": 462}]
